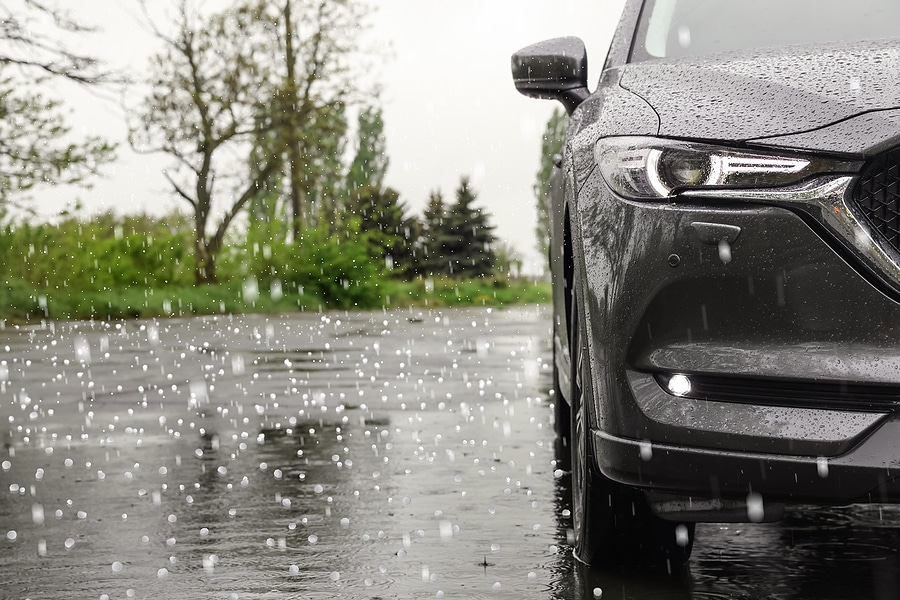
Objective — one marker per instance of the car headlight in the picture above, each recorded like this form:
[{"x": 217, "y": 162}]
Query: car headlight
[{"x": 645, "y": 168}]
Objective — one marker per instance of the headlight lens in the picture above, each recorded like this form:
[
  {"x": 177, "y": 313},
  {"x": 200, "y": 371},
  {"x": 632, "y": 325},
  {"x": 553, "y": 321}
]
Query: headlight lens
[{"x": 644, "y": 168}]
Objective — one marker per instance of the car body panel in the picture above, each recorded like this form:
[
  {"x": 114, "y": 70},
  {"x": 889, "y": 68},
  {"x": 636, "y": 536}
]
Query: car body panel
[
  {"x": 772, "y": 92},
  {"x": 782, "y": 302},
  {"x": 864, "y": 135}
]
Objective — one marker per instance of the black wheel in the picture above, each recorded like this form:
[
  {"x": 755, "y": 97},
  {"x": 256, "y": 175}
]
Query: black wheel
[{"x": 612, "y": 523}]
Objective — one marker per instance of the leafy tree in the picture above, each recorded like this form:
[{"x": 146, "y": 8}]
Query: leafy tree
[
  {"x": 309, "y": 44},
  {"x": 206, "y": 102},
  {"x": 324, "y": 168},
  {"x": 371, "y": 161},
  {"x": 551, "y": 144},
  {"x": 33, "y": 135},
  {"x": 264, "y": 74}
]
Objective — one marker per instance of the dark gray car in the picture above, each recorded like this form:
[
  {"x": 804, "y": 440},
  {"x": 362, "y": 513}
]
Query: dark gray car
[{"x": 725, "y": 254}]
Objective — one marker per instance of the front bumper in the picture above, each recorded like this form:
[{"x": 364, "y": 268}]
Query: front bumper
[
  {"x": 868, "y": 473},
  {"x": 763, "y": 291}
]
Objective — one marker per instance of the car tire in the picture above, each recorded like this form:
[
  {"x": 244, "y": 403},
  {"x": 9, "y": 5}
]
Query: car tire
[
  {"x": 561, "y": 410},
  {"x": 612, "y": 522}
]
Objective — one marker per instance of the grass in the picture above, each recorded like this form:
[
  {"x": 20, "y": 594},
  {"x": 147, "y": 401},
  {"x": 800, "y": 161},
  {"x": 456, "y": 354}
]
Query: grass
[{"x": 19, "y": 302}]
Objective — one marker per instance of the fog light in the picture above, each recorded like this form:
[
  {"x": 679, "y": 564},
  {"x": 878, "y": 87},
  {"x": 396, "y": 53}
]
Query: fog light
[{"x": 679, "y": 385}]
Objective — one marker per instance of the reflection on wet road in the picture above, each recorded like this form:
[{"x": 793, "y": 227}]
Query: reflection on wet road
[{"x": 374, "y": 455}]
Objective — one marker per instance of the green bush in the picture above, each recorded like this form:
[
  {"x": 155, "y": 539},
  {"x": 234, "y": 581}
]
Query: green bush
[
  {"x": 106, "y": 252},
  {"x": 336, "y": 268}
]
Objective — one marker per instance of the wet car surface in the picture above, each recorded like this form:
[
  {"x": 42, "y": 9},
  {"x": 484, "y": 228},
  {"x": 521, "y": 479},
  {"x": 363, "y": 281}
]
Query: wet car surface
[
  {"x": 406, "y": 454},
  {"x": 724, "y": 254}
]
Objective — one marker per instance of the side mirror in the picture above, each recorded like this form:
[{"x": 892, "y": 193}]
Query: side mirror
[{"x": 555, "y": 69}]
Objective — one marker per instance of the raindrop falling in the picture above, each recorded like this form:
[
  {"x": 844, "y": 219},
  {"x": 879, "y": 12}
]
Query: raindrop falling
[
  {"x": 724, "y": 251},
  {"x": 82, "y": 349},
  {"x": 250, "y": 290},
  {"x": 682, "y": 536},
  {"x": 755, "y": 508},
  {"x": 37, "y": 514},
  {"x": 646, "y": 450}
]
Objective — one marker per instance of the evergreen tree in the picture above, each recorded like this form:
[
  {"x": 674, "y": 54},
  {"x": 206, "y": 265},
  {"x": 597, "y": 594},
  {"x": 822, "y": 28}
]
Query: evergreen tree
[
  {"x": 390, "y": 233},
  {"x": 460, "y": 244},
  {"x": 433, "y": 241}
]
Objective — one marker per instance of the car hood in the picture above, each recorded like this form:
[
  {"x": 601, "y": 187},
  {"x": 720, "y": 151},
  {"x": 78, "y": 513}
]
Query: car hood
[{"x": 766, "y": 94}]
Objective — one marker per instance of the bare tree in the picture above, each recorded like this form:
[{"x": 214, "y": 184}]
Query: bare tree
[
  {"x": 34, "y": 139},
  {"x": 209, "y": 99},
  {"x": 264, "y": 79},
  {"x": 31, "y": 37}
]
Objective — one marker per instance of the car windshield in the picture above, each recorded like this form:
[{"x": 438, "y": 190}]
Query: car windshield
[{"x": 685, "y": 28}]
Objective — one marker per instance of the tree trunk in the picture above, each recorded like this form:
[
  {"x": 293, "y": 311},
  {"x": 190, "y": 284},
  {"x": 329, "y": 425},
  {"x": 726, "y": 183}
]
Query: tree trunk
[
  {"x": 298, "y": 201},
  {"x": 205, "y": 264}
]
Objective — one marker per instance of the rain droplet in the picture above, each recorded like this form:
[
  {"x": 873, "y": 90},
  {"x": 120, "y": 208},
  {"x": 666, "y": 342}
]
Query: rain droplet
[
  {"x": 117, "y": 567},
  {"x": 755, "y": 508},
  {"x": 682, "y": 536},
  {"x": 646, "y": 450},
  {"x": 724, "y": 251},
  {"x": 37, "y": 514}
]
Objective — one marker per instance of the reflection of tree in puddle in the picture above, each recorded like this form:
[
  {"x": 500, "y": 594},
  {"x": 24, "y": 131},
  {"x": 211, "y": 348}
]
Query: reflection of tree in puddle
[
  {"x": 282, "y": 511},
  {"x": 394, "y": 466},
  {"x": 295, "y": 503}
]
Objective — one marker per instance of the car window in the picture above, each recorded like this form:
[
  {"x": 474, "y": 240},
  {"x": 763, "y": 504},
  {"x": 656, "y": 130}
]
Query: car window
[{"x": 684, "y": 28}]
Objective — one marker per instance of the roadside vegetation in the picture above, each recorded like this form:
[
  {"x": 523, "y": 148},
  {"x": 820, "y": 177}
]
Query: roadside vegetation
[
  {"x": 269, "y": 115},
  {"x": 139, "y": 266}
]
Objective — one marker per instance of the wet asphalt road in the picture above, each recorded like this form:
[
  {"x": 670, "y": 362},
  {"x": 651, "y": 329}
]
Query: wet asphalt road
[{"x": 404, "y": 454}]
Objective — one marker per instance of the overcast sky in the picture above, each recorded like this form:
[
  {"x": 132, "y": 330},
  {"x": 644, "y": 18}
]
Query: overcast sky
[{"x": 450, "y": 108}]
